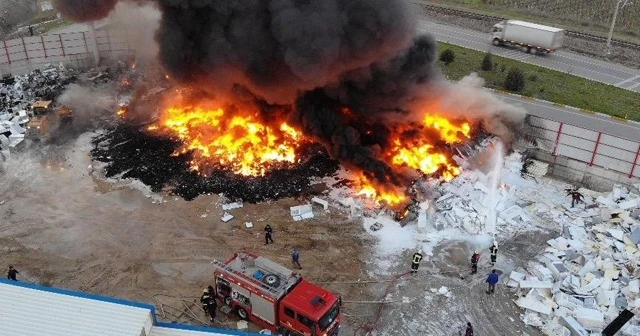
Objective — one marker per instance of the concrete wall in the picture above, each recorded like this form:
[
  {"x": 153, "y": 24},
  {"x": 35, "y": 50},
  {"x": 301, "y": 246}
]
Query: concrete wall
[
  {"x": 81, "y": 49},
  {"x": 583, "y": 174},
  {"x": 590, "y": 158}
]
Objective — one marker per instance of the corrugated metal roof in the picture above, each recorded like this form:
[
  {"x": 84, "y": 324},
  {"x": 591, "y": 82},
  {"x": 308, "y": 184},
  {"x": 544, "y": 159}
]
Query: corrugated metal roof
[
  {"x": 32, "y": 310},
  {"x": 181, "y": 331},
  {"x": 27, "y": 310}
]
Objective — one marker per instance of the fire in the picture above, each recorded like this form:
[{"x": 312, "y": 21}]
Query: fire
[
  {"x": 449, "y": 132},
  {"x": 424, "y": 159},
  {"x": 418, "y": 152},
  {"x": 239, "y": 142},
  {"x": 380, "y": 194}
]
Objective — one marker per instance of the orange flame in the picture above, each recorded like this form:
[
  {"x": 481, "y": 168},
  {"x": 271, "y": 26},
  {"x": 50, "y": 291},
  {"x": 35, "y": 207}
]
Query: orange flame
[
  {"x": 239, "y": 142},
  {"x": 379, "y": 193},
  {"x": 448, "y": 131},
  {"x": 421, "y": 155}
]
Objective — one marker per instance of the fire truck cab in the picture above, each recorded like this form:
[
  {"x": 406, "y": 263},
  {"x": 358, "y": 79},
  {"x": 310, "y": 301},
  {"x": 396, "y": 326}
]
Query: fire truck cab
[{"x": 274, "y": 297}]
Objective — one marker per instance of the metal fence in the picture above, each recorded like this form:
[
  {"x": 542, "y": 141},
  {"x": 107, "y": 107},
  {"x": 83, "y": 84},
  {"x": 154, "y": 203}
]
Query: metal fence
[
  {"x": 593, "y": 147},
  {"x": 77, "y": 49}
]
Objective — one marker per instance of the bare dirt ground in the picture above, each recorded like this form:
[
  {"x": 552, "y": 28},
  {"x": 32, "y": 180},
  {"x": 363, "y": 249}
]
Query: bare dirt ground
[{"x": 62, "y": 225}]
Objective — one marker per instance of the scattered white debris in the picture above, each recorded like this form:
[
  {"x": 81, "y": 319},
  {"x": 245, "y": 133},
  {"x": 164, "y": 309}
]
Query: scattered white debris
[
  {"x": 589, "y": 273},
  {"x": 445, "y": 292},
  {"x": 226, "y": 217},
  {"x": 248, "y": 224},
  {"x": 537, "y": 168},
  {"x": 242, "y": 325},
  {"x": 532, "y": 303},
  {"x": 301, "y": 212},
  {"x": 325, "y": 204},
  {"x": 231, "y": 206}
]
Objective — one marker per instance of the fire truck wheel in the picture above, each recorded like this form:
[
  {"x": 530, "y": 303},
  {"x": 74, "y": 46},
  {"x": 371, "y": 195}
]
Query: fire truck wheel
[
  {"x": 227, "y": 301},
  {"x": 242, "y": 313},
  {"x": 271, "y": 280}
]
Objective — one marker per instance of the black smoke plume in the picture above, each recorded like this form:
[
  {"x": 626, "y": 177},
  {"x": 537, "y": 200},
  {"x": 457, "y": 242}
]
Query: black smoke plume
[
  {"x": 349, "y": 118},
  {"x": 278, "y": 48}
]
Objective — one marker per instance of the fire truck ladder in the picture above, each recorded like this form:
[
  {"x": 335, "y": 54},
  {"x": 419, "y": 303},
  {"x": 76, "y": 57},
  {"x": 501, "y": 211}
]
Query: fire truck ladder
[{"x": 255, "y": 282}]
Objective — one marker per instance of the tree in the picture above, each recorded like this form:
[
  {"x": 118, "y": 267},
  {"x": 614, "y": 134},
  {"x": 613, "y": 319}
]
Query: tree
[
  {"x": 447, "y": 56},
  {"x": 15, "y": 12},
  {"x": 487, "y": 62},
  {"x": 515, "y": 80}
]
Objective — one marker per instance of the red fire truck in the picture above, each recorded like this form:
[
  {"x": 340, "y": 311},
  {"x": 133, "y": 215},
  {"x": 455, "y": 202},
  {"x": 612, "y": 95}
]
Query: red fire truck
[{"x": 274, "y": 297}]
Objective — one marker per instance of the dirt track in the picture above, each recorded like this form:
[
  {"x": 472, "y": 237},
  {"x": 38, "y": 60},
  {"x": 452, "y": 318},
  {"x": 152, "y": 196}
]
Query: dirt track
[{"x": 64, "y": 226}]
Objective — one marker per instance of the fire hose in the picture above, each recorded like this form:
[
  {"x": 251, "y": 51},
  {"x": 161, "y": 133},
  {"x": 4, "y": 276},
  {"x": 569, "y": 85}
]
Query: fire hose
[{"x": 369, "y": 328}]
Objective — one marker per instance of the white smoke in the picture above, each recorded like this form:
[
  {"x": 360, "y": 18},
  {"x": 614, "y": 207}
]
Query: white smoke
[
  {"x": 139, "y": 22},
  {"x": 468, "y": 99}
]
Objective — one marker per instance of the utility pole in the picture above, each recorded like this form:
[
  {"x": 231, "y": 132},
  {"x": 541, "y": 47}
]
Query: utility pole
[{"x": 613, "y": 22}]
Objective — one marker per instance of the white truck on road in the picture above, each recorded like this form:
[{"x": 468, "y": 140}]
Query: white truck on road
[{"x": 528, "y": 36}]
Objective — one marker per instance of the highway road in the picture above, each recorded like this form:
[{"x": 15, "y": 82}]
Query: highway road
[
  {"x": 597, "y": 122},
  {"x": 605, "y": 72}
]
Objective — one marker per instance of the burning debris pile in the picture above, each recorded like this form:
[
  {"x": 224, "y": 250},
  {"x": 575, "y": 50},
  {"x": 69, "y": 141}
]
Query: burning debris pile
[
  {"x": 589, "y": 274},
  {"x": 24, "y": 98},
  {"x": 348, "y": 74},
  {"x": 131, "y": 153}
]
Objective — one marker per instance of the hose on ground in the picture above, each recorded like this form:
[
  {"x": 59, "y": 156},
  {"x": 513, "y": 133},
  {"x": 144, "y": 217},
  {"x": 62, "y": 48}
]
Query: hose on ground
[{"x": 369, "y": 328}]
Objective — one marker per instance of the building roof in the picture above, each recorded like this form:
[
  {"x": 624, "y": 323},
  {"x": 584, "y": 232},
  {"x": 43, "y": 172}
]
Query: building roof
[
  {"x": 27, "y": 309},
  {"x": 32, "y": 310},
  {"x": 169, "y": 329},
  {"x": 535, "y": 26}
]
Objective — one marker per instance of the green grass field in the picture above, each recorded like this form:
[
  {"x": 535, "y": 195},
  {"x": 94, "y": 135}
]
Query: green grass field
[{"x": 546, "y": 84}]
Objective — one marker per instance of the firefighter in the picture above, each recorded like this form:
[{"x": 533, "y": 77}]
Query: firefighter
[
  {"x": 206, "y": 299},
  {"x": 474, "y": 262},
  {"x": 576, "y": 197},
  {"x": 268, "y": 234},
  {"x": 494, "y": 252},
  {"x": 469, "y": 331},
  {"x": 211, "y": 309},
  {"x": 11, "y": 274},
  {"x": 415, "y": 262}
]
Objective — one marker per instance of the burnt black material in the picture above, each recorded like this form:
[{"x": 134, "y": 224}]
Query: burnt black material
[{"x": 132, "y": 153}]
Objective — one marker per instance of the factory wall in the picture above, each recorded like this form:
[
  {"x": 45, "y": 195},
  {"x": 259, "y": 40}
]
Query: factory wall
[
  {"x": 590, "y": 158},
  {"x": 81, "y": 50}
]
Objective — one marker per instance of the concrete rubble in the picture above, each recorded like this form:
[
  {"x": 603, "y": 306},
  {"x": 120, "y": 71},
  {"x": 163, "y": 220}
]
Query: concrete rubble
[{"x": 588, "y": 274}]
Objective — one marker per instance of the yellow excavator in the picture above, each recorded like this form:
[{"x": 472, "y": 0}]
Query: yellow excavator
[{"x": 44, "y": 117}]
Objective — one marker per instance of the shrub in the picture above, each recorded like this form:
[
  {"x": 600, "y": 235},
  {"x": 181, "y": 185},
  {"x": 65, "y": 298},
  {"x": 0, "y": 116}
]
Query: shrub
[
  {"x": 487, "y": 62},
  {"x": 447, "y": 56},
  {"x": 515, "y": 80}
]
